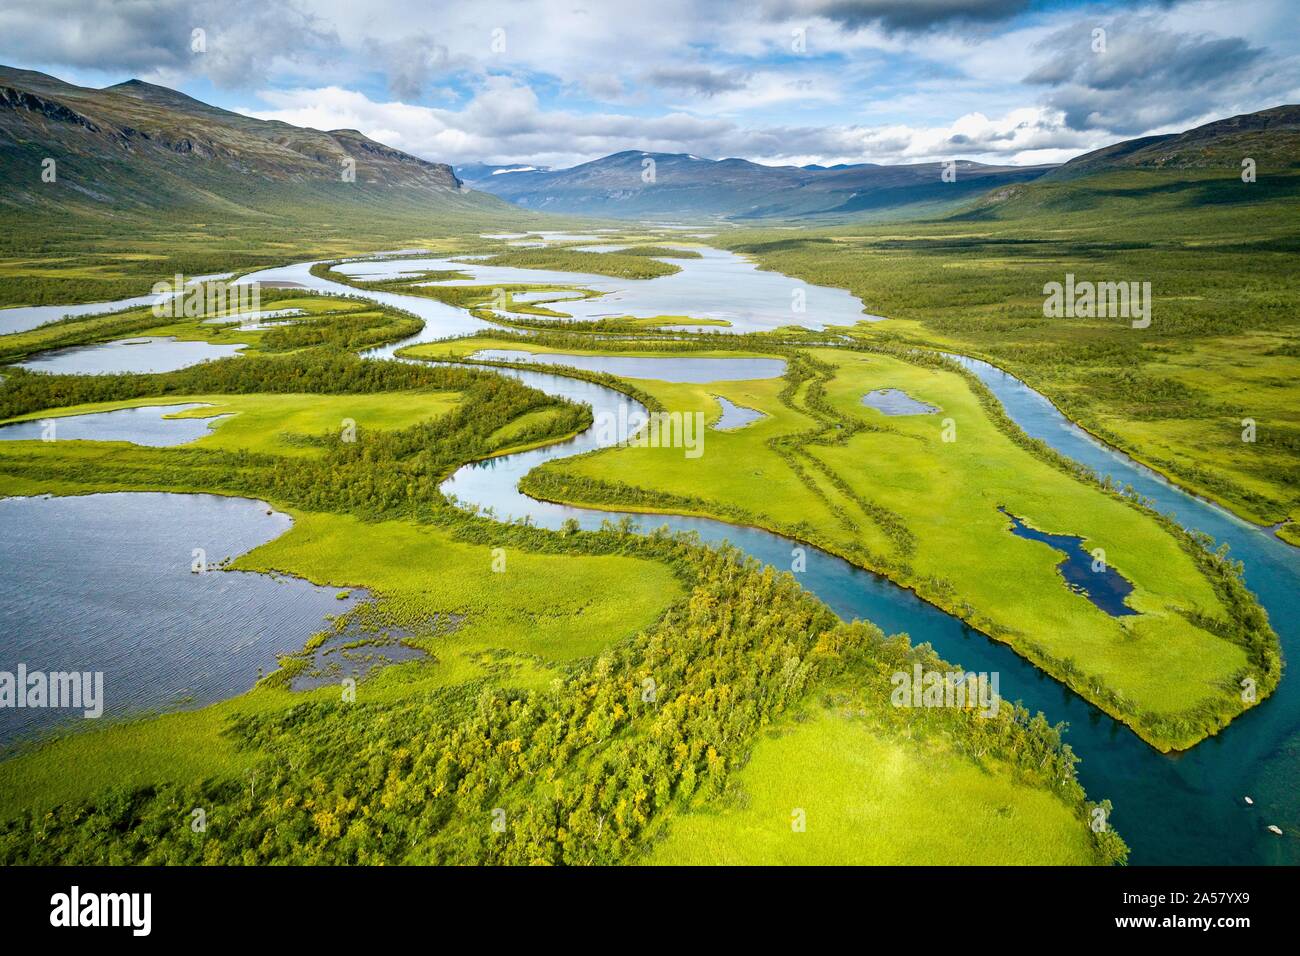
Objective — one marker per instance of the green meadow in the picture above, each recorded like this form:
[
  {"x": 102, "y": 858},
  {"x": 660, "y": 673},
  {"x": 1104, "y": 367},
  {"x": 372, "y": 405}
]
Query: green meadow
[
  {"x": 530, "y": 695},
  {"x": 891, "y": 494},
  {"x": 827, "y": 790},
  {"x": 1223, "y": 346}
]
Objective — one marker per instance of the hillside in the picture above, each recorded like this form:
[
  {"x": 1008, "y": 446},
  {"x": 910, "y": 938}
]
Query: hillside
[
  {"x": 150, "y": 182},
  {"x": 135, "y": 147},
  {"x": 1196, "y": 168},
  {"x": 1270, "y": 137},
  {"x": 691, "y": 186}
]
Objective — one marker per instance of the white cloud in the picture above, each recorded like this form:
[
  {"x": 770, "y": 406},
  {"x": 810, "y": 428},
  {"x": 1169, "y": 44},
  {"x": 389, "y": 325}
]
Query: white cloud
[
  {"x": 881, "y": 80},
  {"x": 505, "y": 124}
]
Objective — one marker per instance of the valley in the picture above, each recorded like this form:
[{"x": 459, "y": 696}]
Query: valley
[{"x": 522, "y": 634}]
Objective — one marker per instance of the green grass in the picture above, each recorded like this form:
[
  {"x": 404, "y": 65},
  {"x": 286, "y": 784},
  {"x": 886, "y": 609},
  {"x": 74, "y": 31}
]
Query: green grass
[
  {"x": 1223, "y": 345},
  {"x": 872, "y": 800},
  {"x": 525, "y": 608},
  {"x": 276, "y": 423},
  {"x": 897, "y": 498}
]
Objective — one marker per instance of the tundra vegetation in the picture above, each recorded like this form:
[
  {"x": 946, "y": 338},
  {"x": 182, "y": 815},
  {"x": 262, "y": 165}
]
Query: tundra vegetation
[
  {"x": 525, "y": 733},
  {"x": 1206, "y": 394},
  {"x": 922, "y": 499}
]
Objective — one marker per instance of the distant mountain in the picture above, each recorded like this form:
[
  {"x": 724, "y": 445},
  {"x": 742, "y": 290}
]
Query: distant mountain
[
  {"x": 1271, "y": 137},
  {"x": 473, "y": 174},
  {"x": 682, "y": 185},
  {"x": 136, "y": 147}
]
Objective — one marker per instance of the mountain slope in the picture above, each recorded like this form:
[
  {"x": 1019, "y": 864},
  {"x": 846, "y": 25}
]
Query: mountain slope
[
  {"x": 1271, "y": 137},
  {"x": 621, "y": 185},
  {"x": 135, "y": 148},
  {"x": 1195, "y": 168}
]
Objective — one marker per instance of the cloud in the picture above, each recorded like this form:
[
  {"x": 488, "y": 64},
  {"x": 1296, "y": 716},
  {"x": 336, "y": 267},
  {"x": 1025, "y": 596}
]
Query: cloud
[
  {"x": 505, "y": 124},
  {"x": 241, "y": 40},
  {"x": 878, "y": 80},
  {"x": 412, "y": 62},
  {"x": 898, "y": 15},
  {"x": 1132, "y": 75},
  {"x": 698, "y": 79}
]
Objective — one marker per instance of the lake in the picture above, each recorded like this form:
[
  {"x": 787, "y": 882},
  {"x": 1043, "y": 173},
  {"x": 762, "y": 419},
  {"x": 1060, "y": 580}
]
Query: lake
[{"x": 105, "y": 583}]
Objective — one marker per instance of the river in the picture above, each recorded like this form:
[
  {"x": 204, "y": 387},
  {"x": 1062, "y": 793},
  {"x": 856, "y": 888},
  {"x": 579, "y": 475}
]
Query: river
[{"x": 1184, "y": 808}]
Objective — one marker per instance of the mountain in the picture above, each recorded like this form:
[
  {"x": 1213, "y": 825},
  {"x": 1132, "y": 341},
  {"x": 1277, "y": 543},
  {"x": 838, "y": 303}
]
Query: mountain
[
  {"x": 1271, "y": 137},
  {"x": 690, "y": 186},
  {"x": 135, "y": 148},
  {"x": 474, "y": 173},
  {"x": 1194, "y": 168}
]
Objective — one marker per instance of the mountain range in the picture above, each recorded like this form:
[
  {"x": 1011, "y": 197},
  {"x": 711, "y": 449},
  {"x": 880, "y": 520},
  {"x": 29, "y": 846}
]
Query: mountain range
[
  {"x": 637, "y": 184},
  {"x": 137, "y": 148}
]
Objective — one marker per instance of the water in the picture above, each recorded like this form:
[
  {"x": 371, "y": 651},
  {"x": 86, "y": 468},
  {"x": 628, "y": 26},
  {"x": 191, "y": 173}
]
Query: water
[
  {"x": 735, "y": 416},
  {"x": 23, "y": 318},
  {"x": 104, "y": 583},
  {"x": 661, "y": 369},
  {"x": 544, "y": 237},
  {"x": 893, "y": 401},
  {"x": 1172, "y": 809},
  {"x": 440, "y": 320},
  {"x": 719, "y": 285},
  {"x": 149, "y": 354},
  {"x": 337, "y": 658},
  {"x": 545, "y": 295},
  {"x": 143, "y": 425},
  {"x": 1101, "y": 584}
]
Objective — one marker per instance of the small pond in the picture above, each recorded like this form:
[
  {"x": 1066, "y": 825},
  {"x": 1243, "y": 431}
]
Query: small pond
[
  {"x": 1104, "y": 586},
  {"x": 893, "y": 401},
  {"x": 143, "y": 425},
  {"x": 735, "y": 416},
  {"x": 148, "y": 354}
]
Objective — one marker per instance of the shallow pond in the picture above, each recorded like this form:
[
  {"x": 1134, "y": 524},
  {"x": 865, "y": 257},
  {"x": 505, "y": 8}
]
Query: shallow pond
[
  {"x": 893, "y": 401},
  {"x": 149, "y": 354},
  {"x": 735, "y": 416},
  {"x": 658, "y": 368},
  {"x": 341, "y": 656},
  {"x": 142, "y": 425},
  {"x": 1083, "y": 573},
  {"x": 104, "y": 583}
]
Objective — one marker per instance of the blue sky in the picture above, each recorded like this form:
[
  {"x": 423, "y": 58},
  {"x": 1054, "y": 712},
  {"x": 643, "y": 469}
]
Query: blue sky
[{"x": 556, "y": 82}]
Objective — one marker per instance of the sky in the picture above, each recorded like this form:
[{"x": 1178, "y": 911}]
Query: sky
[{"x": 560, "y": 82}]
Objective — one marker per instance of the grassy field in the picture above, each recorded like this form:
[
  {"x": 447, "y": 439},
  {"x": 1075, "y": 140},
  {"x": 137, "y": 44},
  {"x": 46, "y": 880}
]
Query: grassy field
[
  {"x": 278, "y": 424},
  {"x": 868, "y": 799},
  {"x": 896, "y": 497},
  {"x": 1223, "y": 345}
]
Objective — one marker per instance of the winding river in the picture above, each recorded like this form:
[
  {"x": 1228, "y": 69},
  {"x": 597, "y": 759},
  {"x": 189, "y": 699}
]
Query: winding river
[{"x": 1172, "y": 809}]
